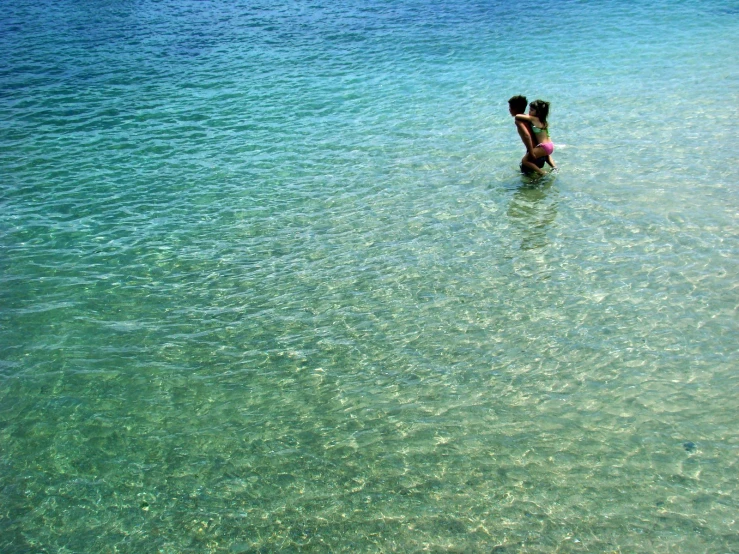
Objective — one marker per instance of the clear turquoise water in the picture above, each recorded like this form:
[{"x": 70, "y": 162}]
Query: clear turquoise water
[{"x": 270, "y": 280}]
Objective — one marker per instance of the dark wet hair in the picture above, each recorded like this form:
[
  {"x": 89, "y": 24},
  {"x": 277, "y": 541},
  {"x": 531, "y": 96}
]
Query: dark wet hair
[
  {"x": 518, "y": 103},
  {"x": 542, "y": 110}
]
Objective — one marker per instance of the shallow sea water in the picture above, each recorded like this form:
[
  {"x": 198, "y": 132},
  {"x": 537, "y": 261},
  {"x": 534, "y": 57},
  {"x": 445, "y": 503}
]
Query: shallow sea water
[{"x": 270, "y": 280}]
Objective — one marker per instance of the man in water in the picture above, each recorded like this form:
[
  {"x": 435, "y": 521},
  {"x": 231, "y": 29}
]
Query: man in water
[{"x": 517, "y": 105}]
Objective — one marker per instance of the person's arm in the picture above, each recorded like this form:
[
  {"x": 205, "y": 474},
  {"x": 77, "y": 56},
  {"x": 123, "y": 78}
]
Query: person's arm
[
  {"x": 523, "y": 117},
  {"x": 525, "y": 134}
]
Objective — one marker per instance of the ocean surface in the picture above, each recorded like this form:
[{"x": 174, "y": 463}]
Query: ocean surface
[{"x": 271, "y": 281}]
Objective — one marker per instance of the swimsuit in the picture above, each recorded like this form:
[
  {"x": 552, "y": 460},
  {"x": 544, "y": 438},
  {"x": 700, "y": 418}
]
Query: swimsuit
[{"x": 548, "y": 147}]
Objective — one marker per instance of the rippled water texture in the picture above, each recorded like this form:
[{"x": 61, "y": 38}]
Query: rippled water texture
[{"x": 270, "y": 280}]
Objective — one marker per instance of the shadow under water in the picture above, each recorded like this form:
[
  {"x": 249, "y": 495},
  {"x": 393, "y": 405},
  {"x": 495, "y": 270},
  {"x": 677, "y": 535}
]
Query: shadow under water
[{"x": 533, "y": 209}]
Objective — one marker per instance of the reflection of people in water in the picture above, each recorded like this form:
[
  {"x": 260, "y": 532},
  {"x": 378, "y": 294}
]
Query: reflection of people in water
[
  {"x": 533, "y": 210},
  {"x": 517, "y": 106}
]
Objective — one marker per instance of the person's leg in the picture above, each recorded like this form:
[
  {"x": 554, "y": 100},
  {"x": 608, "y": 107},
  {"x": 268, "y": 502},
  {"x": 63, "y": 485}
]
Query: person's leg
[
  {"x": 530, "y": 161},
  {"x": 526, "y": 170},
  {"x": 530, "y": 167},
  {"x": 539, "y": 163}
]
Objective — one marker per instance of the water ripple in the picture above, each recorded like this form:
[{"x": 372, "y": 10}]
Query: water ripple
[{"x": 270, "y": 279}]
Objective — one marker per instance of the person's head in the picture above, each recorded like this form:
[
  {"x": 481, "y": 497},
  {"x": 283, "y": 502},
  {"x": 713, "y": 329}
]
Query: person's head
[
  {"x": 540, "y": 109},
  {"x": 517, "y": 105}
]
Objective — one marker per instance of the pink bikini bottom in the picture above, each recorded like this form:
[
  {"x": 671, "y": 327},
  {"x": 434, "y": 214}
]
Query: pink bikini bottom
[{"x": 548, "y": 147}]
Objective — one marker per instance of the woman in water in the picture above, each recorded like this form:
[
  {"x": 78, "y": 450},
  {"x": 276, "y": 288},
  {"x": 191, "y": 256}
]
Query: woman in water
[{"x": 538, "y": 112}]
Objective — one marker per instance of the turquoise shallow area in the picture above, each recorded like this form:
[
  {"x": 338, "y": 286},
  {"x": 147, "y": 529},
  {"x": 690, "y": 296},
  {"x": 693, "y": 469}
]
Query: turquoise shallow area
[{"x": 270, "y": 280}]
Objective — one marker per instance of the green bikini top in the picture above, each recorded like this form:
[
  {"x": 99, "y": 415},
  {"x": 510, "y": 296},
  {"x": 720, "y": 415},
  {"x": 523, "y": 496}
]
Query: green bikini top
[{"x": 537, "y": 130}]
